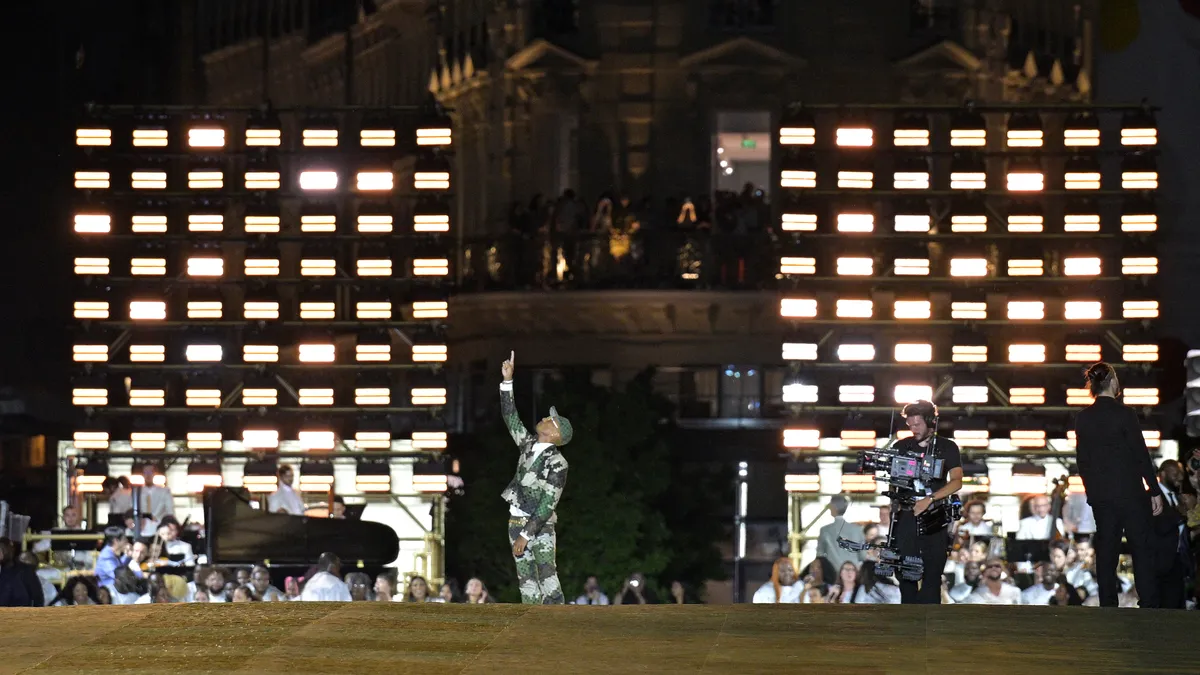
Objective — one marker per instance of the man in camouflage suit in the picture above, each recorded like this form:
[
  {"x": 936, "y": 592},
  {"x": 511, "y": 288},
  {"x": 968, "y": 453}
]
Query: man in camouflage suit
[{"x": 532, "y": 495}]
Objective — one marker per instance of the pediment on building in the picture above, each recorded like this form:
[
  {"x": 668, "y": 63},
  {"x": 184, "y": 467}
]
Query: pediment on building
[
  {"x": 945, "y": 55},
  {"x": 542, "y": 55},
  {"x": 740, "y": 52}
]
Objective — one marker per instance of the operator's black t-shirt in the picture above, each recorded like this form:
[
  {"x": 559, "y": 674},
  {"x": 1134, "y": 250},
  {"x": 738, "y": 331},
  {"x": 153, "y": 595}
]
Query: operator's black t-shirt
[{"x": 945, "y": 448}]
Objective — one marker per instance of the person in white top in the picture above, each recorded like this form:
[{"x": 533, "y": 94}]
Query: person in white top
[
  {"x": 1078, "y": 516},
  {"x": 871, "y": 590},
  {"x": 843, "y": 590},
  {"x": 974, "y": 524},
  {"x": 168, "y": 532},
  {"x": 285, "y": 498},
  {"x": 326, "y": 585},
  {"x": 993, "y": 590},
  {"x": 1037, "y": 525},
  {"x": 782, "y": 587},
  {"x": 1045, "y": 584},
  {"x": 885, "y": 519}
]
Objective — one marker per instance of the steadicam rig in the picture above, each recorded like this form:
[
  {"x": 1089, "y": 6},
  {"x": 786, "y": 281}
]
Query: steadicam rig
[{"x": 906, "y": 567}]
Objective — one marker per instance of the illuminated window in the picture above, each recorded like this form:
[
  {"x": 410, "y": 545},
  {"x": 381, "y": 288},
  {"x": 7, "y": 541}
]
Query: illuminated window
[
  {"x": 147, "y": 353},
  {"x": 262, "y": 224},
  {"x": 378, "y": 224},
  {"x": 1139, "y": 352},
  {"x": 317, "y": 353},
  {"x": 1026, "y": 353},
  {"x": 147, "y": 310},
  {"x": 88, "y": 309},
  {"x": 205, "y": 180},
  {"x": 93, "y": 137},
  {"x": 1027, "y": 395},
  {"x": 260, "y": 353},
  {"x": 855, "y": 309},
  {"x": 1081, "y": 310},
  {"x": 318, "y": 180},
  {"x": 371, "y": 181},
  {"x": 148, "y": 180},
  {"x": 319, "y": 311},
  {"x": 968, "y": 267},
  {"x": 1087, "y": 352},
  {"x": 855, "y": 267},
  {"x": 319, "y": 396},
  {"x": 967, "y": 224},
  {"x": 1139, "y": 309},
  {"x": 93, "y": 223},
  {"x": 91, "y": 266},
  {"x": 149, "y": 224},
  {"x": 373, "y": 310},
  {"x": 205, "y": 266},
  {"x": 91, "y": 180},
  {"x": 908, "y": 393},
  {"x": 206, "y": 222},
  {"x": 1081, "y": 267},
  {"x": 262, "y": 180},
  {"x": 913, "y": 222},
  {"x": 260, "y": 309},
  {"x": 1024, "y": 267},
  {"x": 856, "y": 393},
  {"x": 855, "y": 222},
  {"x": 204, "y": 309},
  {"x": 1027, "y": 310},
  {"x": 911, "y": 267},
  {"x": 913, "y": 352},
  {"x": 799, "y": 222},
  {"x": 855, "y": 137},
  {"x": 856, "y": 352},
  {"x": 1140, "y": 265},
  {"x": 789, "y": 265},
  {"x": 98, "y": 353},
  {"x": 968, "y": 311},
  {"x": 969, "y": 394},
  {"x": 912, "y": 309}
]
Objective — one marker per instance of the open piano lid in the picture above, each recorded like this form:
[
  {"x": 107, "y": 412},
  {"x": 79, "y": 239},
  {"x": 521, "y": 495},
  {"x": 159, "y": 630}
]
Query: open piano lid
[{"x": 239, "y": 534}]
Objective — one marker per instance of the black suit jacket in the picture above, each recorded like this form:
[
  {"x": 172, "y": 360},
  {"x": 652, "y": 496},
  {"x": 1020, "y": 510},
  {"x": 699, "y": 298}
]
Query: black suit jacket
[{"x": 1111, "y": 454}]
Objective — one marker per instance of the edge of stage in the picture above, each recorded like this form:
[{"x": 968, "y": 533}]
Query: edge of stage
[{"x": 366, "y": 638}]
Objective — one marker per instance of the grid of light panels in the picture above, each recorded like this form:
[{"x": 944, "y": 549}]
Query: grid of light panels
[
  {"x": 249, "y": 278},
  {"x": 979, "y": 256}
]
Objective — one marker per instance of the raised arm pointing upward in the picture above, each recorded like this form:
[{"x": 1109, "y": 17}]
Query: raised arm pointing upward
[{"x": 533, "y": 494}]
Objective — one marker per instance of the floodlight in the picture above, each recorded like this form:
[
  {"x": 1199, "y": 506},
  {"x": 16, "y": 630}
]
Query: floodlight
[
  {"x": 93, "y": 393},
  {"x": 798, "y": 178},
  {"x": 92, "y": 180},
  {"x": 148, "y": 180},
  {"x": 374, "y": 262},
  {"x": 430, "y": 267},
  {"x": 148, "y": 223},
  {"x": 432, "y": 173},
  {"x": 430, "y": 309},
  {"x": 374, "y": 181},
  {"x": 856, "y": 222},
  {"x": 431, "y": 215},
  {"x": 910, "y": 267},
  {"x": 1136, "y": 265},
  {"x": 793, "y": 265},
  {"x": 318, "y": 180},
  {"x": 260, "y": 438},
  {"x": 912, "y": 222},
  {"x": 202, "y": 397},
  {"x": 92, "y": 439},
  {"x": 147, "y": 310},
  {"x": 206, "y": 136},
  {"x": 852, "y": 266},
  {"x": 968, "y": 129},
  {"x": 317, "y": 352},
  {"x": 911, "y": 173},
  {"x": 1083, "y": 347},
  {"x": 205, "y": 179},
  {"x": 973, "y": 433},
  {"x": 93, "y": 137},
  {"x": 1025, "y": 267},
  {"x": 202, "y": 475},
  {"x": 1139, "y": 352},
  {"x": 968, "y": 267},
  {"x": 89, "y": 353},
  {"x": 807, "y": 438},
  {"x": 968, "y": 223},
  {"x": 798, "y": 222},
  {"x": 911, "y": 131},
  {"x": 910, "y": 393},
  {"x": 798, "y": 308},
  {"x": 1028, "y": 479},
  {"x": 797, "y": 128},
  {"x": 429, "y": 349},
  {"x": 1139, "y": 309},
  {"x": 856, "y": 351},
  {"x": 318, "y": 220},
  {"x": 913, "y": 352},
  {"x": 969, "y": 394},
  {"x": 1025, "y": 175},
  {"x": 1078, "y": 396},
  {"x": 1082, "y": 173},
  {"x": 205, "y": 264},
  {"x": 1139, "y": 128},
  {"x": 855, "y": 180},
  {"x": 1026, "y": 310},
  {"x": 204, "y": 353},
  {"x": 374, "y": 309},
  {"x": 314, "y": 396},
  {"x": 91, "y": 309},
  {"x": 1142, "y": 396},
  {"x": 1138, "y": 217},
  {"x": 318, "y": 267},
  {"x": 858, "y": 433},
  {"x": 1081, "y": 130},
  {"x": 150, "y": 137},
  {"x": 377, "y": 133},
  {"x": 206, "y": 222},
  {"x": 856, "y": 393},
  {"x": 427, "y": 389},
  {"x": 260, "y": 391},
  {"x": 147, "y": 438},
  {"x": 1081, "y": 266},
  {"x": 1025, "y": 218},
  {"x": 799, "y": 392},
  {"x": 263, "y": 180},
  {"x": 373, "y": 434},
  {"x": 1024, "y": 130},
  {"x": 436, "y": 129},
  {"x": 848, "y": 308},
  {"x": 260, "y": 309},
  {"x": 92, "y": 266},
  {"x": 429, "y": 476},
  {"x": 372, "y": 391},
  {"x": 263, "y": 131},
  {"x": 93, "y": 223},
  {"x": 798, "y": 349},
  {"x": 801, "y": 476},
  {"x": 1139, "y": 172},
  {"x": 320, "y": 133},
  {"x": 374, "y": 223},
  {"x": 262, "y": 260},
  {"x": 260, "y": 476},
  {"x": 373, "y": 477},
  {"x": 912, "y": 309},
  {"x": 1082, "y": 310},
  {"x": 1081, "y": 216},
  {"x": 1027, "y": 395},
  {"x": 147, "y": 394},
  {"x": 856, "y": 136},
  {"x": 147, "y": 353},
  {"x": 968, "y": 172},
  {"x": 1026, "y": 353}
]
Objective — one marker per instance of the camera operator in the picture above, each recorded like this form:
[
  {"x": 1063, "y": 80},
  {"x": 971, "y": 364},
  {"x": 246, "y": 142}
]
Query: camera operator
[{"x": 931, "y": 547}]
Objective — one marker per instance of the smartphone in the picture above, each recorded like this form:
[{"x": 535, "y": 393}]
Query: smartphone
[
  {"x": 634, "y": 583},
  {"x": 949, "y": 577}
]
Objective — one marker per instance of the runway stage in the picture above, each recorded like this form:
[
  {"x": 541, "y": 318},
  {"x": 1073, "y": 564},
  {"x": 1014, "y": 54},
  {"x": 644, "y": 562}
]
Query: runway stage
[{"x": 369, "y": 638}]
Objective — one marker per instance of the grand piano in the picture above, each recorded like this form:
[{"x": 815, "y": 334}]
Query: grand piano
[{"x": 239, "y": 534}]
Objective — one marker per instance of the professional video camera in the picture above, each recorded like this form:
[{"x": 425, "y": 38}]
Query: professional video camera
[
  {"x": 907, "y": 567},
  {"x": 906, "y": 471}
]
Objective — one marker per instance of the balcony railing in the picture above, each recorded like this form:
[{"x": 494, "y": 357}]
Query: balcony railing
[{"x": 646, "y": 260}]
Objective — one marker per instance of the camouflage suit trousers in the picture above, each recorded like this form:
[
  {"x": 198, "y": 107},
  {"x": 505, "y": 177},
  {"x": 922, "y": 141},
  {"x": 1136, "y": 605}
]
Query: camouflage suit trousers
[{"x": 537, "y": 573}]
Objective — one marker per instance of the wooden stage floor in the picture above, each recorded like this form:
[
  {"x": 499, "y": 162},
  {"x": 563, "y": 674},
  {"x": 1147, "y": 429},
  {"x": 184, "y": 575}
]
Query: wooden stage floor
[{"x": 369, "y": 638}]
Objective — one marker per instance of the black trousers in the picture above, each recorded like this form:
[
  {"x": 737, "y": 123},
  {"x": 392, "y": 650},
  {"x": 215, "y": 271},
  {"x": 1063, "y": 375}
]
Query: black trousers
[
  {"x": 1132, "y": 518},
  {"x": 1172, "y": 587},
  {"x": 932, "y": 549}
]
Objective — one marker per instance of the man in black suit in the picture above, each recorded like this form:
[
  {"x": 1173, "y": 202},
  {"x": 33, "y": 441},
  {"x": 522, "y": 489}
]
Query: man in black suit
[
  {"x": 1117, "y": 473},
  {"x": 1170, "y": 539}
]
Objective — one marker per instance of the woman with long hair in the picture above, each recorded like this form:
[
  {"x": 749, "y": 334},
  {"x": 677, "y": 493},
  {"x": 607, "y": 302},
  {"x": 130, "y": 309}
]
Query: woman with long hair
[
  {"x": 872, "y": 590},
  {"x": 385, "y": 587},
  {"x": 843, "y": 589},
  {"x": 476, "y": 592},
  {"x": 77, "y": 591},
  {"x": 418, "y": 590}
]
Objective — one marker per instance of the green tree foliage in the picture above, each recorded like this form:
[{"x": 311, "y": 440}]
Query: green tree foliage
[{"x": 632, "y": 502}]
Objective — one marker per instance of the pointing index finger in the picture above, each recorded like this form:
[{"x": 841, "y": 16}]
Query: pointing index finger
[{"x": 512, "y": 356}]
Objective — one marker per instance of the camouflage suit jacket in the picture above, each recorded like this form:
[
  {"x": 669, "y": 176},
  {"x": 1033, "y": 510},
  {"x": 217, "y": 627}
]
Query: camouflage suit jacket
[{"x": 541, "y": 476}]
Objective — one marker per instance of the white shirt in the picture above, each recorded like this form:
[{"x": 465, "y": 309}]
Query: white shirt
[
  {"x": 1037, "y": 594},
  {"x": 157, "y": 502},
  {"x": 1035, "y": 527},
  {"x": 766, "y": 593},
  {"x": 122, "y": 598},
  {"x": 325, "y": 587},
  {"x": 538, "y": 449},
  {"x": 179, "y": 547},
  {"x": 120, "y": 501},
  {"x": 601, "y": 600},
  {"x": 882, "y": 594},
  {"x": 287, "y": 499},
  {"x": 1009, "y": 595},
  {"x": 985, "y": 528},
  {"x": 1077, "y": 509}
]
